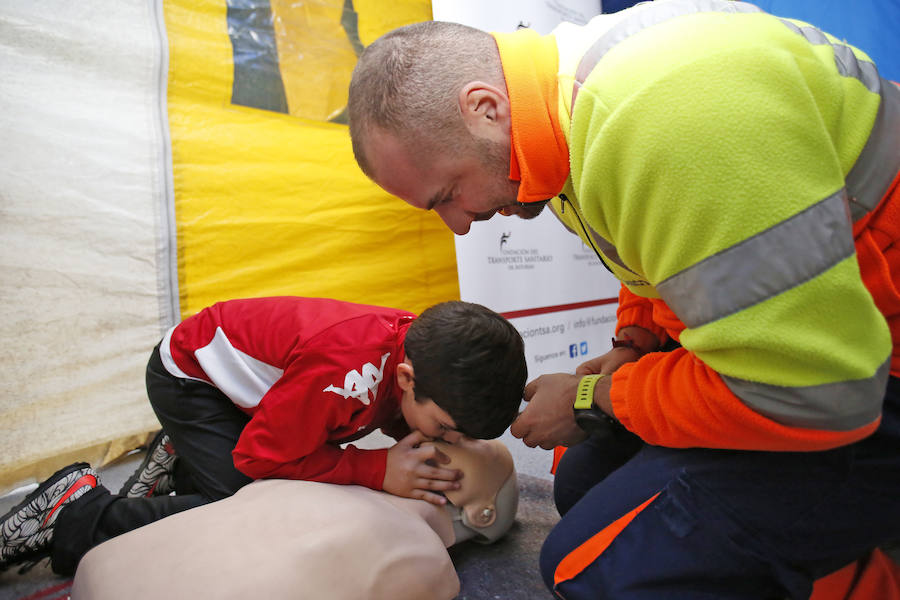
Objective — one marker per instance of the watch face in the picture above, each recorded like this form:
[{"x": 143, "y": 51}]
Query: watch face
[{"x": 594, "y": 421}]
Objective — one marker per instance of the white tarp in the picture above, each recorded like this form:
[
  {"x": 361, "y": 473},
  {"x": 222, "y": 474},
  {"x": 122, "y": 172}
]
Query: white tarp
[{"x": 83, "y": 185}]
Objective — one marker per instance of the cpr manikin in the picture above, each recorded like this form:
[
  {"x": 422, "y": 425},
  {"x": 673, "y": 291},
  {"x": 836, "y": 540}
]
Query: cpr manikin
[
  {"x": 300, "y": 539},
  {"x": 484, "y": 507}
]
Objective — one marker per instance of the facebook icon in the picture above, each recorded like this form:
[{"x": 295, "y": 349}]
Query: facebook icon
[{"x": 573, "y": 350}]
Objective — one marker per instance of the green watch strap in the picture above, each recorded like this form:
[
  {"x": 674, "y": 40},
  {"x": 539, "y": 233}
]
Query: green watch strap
[{"x": 584, "y": 397}]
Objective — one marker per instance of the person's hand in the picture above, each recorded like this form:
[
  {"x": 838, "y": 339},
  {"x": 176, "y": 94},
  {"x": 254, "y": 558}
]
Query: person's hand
[
  {"x": 412, "y": 470},
  {"x": 606, "y": 364},
  {"x": 549, "y": 420}
]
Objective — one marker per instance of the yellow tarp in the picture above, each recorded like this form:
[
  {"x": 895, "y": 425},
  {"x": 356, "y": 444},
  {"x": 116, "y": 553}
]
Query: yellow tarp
[{"x": 269, "y": 203}]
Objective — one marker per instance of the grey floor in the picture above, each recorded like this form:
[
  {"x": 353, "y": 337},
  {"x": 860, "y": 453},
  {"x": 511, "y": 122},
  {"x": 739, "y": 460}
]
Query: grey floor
[{"x": 506, "y": 570}]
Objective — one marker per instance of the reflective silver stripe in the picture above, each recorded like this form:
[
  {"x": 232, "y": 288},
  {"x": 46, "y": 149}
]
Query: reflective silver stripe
[
  {"x": 878, "y": 163},
  {"x": 847, "y": 63},
  {"x": 773, "y": 261},
  {"x": 840, "y": 406},
  {"x": 641, "y": 19},
  {"x": 850, "y": 66}
]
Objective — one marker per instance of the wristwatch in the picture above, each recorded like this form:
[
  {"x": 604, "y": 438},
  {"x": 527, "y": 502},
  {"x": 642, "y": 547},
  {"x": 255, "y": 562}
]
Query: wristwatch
[
  {"x": 627, "y": 342},
  {"x": 587, "y": 416}
]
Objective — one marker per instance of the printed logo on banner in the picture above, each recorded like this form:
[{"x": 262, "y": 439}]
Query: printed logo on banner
[
  {"x": 585, "y": 254},
  {"x": 515, "y": 258},
  {"x": 578, "y": 349}
]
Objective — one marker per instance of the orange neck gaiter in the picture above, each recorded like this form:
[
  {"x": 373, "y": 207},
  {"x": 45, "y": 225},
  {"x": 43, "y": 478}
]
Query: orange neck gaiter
[{"x": 539, "y": 157}]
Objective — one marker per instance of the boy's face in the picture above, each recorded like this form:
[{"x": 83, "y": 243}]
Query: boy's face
[
  {"x": 429, "y": 418},
  {"x": 424, "y": 415}
]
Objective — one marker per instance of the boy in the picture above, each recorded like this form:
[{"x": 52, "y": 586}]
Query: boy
[{"x": 269, "y": 388}]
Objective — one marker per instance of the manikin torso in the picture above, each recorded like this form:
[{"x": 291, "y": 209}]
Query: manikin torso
[{"x": 301, "y": 539}]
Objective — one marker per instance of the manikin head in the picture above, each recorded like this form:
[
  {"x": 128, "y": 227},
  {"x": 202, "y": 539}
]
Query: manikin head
[
  {"x": 484, "y": 507},
  {"x": 430, "y": 122}
]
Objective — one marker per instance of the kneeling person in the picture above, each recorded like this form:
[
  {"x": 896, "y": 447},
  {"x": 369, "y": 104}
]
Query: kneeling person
[{"x": 270, "y": 388}]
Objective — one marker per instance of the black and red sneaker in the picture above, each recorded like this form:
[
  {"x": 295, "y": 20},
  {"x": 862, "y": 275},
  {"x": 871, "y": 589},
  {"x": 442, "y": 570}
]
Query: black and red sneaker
[
  {"x": 154, "y": 476},
  {"x": 26, "y": 531}
]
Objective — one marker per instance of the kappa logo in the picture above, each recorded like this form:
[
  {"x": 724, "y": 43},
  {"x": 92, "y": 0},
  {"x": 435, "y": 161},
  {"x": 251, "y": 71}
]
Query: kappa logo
[{"x": 360, "y": 385}]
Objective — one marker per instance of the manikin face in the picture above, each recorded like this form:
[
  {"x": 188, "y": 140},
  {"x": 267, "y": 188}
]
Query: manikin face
[
  {"x": 463, "y": 185},
  {"x": 485, "y": 505},
  {"x": 424, "y": 415}
]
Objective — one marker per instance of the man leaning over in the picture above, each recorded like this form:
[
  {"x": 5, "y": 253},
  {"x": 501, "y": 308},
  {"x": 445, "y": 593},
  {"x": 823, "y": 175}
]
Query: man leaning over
[{"x": 738, "y": 173}]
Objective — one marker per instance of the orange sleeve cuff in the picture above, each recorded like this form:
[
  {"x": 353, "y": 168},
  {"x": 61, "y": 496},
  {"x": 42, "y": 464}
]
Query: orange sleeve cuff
[
  {"x": 673, "y": 399},
  {"x": 635, "y": 310}
]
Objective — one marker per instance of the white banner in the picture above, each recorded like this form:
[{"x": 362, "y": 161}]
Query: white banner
[{"x": 547, "y": 282}]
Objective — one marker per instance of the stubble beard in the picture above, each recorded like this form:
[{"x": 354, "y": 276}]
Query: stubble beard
[
  {"x": 496, "y": 160},
  {"x": 530, "y": 210}
]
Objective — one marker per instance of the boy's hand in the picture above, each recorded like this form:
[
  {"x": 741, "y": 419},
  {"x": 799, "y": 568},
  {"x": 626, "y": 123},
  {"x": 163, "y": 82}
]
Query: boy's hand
[{"x": 412, "y": 470}]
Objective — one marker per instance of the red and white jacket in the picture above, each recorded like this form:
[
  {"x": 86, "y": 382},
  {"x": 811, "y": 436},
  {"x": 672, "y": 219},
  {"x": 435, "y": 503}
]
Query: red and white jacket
[{"x": 312, "y": 373}]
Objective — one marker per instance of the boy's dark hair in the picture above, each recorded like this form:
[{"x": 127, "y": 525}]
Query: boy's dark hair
[{"x": 471, "y": 362}]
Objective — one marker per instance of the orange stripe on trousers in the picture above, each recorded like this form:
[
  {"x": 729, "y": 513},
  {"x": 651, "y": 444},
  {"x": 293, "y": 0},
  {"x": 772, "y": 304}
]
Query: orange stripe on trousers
[{"x": 579, "y": 558}]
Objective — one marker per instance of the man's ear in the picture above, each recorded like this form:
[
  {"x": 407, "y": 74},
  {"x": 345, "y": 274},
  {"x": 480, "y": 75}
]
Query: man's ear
[
  {"x": 485, "y": 110},
  {"x": 406, "y": 376}
]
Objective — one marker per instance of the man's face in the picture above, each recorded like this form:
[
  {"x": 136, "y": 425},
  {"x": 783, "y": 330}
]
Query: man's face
[{"x": 464, "y": 184}]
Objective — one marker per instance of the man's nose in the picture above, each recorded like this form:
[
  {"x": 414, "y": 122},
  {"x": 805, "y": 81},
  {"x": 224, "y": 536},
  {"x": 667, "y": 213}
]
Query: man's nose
[{"x": 457, "y": 221}]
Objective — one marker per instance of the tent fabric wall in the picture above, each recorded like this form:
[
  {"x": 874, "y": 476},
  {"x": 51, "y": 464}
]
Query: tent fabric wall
[
  {"x": 110, "y": 234},
  {"x": 269, "y": 203},
  {"x": 81, "y": 180}
]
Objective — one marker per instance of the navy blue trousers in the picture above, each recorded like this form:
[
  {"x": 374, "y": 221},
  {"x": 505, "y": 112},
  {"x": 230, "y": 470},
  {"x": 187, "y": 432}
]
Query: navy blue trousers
[{"x": 719, "y": 523}]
